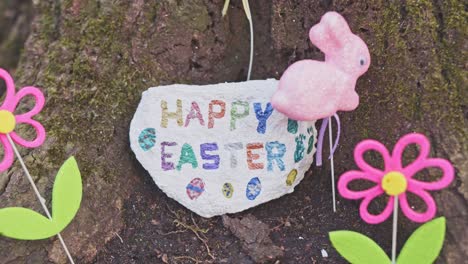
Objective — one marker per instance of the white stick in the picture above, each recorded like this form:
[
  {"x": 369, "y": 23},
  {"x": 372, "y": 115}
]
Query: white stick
[
  {"x": 38, "y": 195},
  {"x": 246, "y": 5},
  {"x": 332, "y": 165},
  {"x": 251, "y": 49},
  {"x": 394, "y": 231}
]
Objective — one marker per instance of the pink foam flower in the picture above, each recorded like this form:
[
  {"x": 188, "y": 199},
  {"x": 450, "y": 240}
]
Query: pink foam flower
[
  {"x": 396, "y": 179},
  {"x": 8, "y": 120}
]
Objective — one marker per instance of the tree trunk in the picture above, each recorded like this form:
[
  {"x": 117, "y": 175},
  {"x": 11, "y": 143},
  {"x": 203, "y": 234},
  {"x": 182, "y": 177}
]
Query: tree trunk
[
  {"x": 15, "y": 18},
  {"x": 93, "y": 59}
]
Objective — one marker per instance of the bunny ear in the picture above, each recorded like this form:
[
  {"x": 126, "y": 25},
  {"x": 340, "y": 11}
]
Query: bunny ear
[
  {"x": 330, "y": 33},
  {"x": 10, "y": 90}
]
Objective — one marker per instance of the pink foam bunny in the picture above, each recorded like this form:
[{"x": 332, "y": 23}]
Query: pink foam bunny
[{"x": 311, "y": 90}]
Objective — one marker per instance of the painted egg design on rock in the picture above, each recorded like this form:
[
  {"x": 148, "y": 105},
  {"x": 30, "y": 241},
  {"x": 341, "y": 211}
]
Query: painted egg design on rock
[
  {"x": 228, "y": 190},
  {"x": 195, "y": 188},
  {"x": 254, "y": 187},
  {"x": 147, "y": 139}
]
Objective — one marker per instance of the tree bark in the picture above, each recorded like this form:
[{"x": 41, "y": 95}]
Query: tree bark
[
  {"x": 93, "y": 59},
  {"x": 15, "y": 18}
]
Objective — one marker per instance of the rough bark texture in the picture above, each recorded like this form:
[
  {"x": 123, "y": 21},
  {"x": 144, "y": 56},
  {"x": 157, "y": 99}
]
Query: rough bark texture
[
  {"x": 94, "y": 58},
  {"x": 15, "y": 19}
]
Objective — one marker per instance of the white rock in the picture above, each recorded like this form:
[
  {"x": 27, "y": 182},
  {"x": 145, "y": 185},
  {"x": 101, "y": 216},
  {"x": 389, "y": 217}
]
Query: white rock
[
  {"x": 231, "y": 186},
  {"x": 324, "y": 253}
]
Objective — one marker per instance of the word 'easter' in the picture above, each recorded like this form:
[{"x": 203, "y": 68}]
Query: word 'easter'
[{"x": 275, "y": 152}]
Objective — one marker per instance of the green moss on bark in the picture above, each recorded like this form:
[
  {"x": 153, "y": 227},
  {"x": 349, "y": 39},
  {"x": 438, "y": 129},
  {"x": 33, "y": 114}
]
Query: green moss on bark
[{"x": 90, "y": 63}]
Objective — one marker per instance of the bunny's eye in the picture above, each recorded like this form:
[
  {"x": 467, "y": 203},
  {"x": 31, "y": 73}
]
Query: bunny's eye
[{"x": 362, "y": 62}]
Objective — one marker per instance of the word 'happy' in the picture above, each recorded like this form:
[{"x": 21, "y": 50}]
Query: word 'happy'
[{"x": 239, "y": 110}]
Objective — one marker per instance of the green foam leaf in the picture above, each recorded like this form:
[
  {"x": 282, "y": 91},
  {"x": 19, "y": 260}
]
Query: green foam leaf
[
  {"x": 67, "y": 193},
  {"x": 25, "y": 224},
  {"x": 357, "y": 248},
  {"x": 424, "y": 244}
]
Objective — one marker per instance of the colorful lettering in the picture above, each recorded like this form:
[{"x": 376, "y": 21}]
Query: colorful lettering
[
  {"x": 212, "y": 115},
  {"x": 175, "y": 115},
  {"x": 262, "y": 116},
  {"x": 215, "y": 158},
  {"x": 235, "y": 115},
  {"x": 166, "y": 165},
  {"x": 194, "y": 113},
  {"x": 276, "y": 156},
  {"x": 299, "y": 153},
  {"x": 187, "y": 156},
  {"x": 253, "y": 156},
  {"x": 232, "y": 148}
]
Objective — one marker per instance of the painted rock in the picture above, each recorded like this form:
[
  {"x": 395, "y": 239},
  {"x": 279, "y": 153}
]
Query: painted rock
[{"x": 200, "y": 143}]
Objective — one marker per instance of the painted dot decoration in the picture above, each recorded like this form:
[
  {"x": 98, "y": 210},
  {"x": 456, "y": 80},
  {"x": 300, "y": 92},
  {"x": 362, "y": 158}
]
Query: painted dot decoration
[
  {"x": 147, "y": 139},
  {"x": 228, "y": 190},
  {"x": 254, "y": 187},
  {"x": 291, "y": 177},
  {"x": 195, "y": 188}
]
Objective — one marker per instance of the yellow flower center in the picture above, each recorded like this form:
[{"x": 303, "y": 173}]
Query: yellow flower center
[
  {"x": 394, "y": 183},
  {"x": 7, "y": 122}
]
